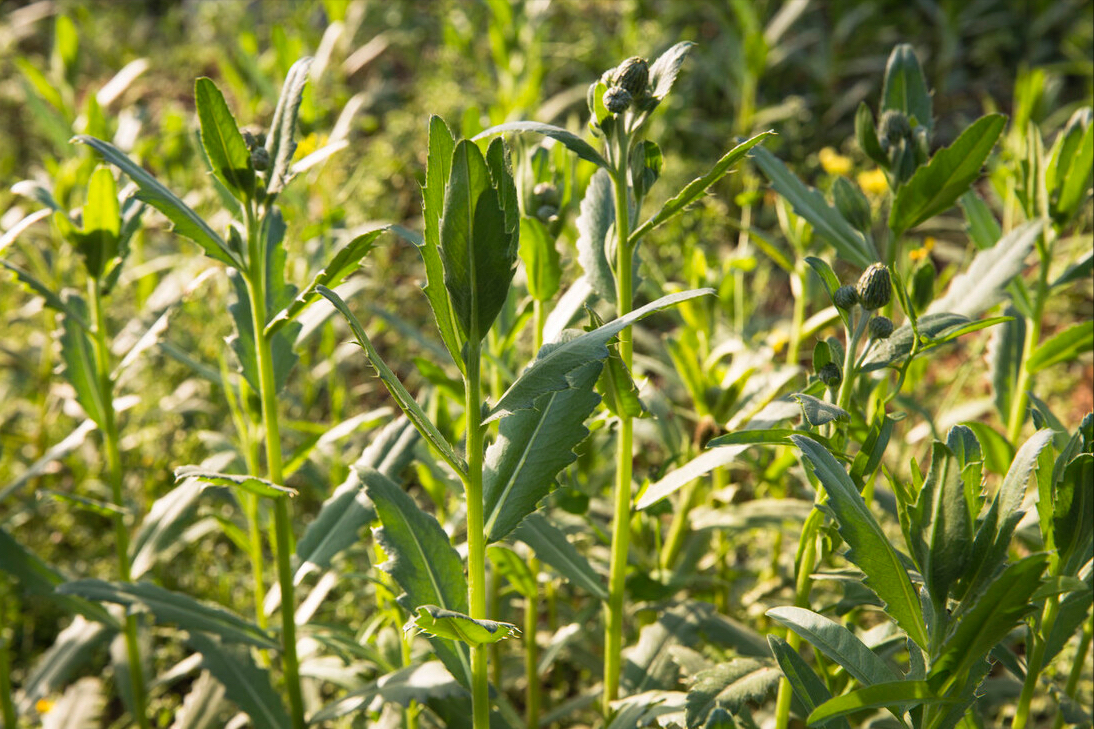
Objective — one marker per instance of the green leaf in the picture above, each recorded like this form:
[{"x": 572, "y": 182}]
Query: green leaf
[
  {"x": 979, "y": 220},
  {"x": 79, "y": 363},
  {"x": 251, "y": 484},
  {"x": 568, "y": 139},
  {"x": 1078, "y": 271},
  {"x": 541, "y": 260},
  {"x": 819, "y": 412},
  {"x": 1006, "y": 347},
  {"x": 937, "y": 185},
  {"x": 849, "y": 243},
  {"x": 870, "y": 549},
  {"x": 279, "y": 141},
  {"x": 935, "y": 329},
  {"x": 83, "y": 503},
  {"x": 510, "y": 565},
  {"x": 893, "y": 693},
  {"x": 1073, "y": 508},
  {"x": 1076, "y": 180},
  {"x": 74, "y": 648},
  {"x": 151, "y": 191},
  {"x": 836, "y": 642},
  {"x": 532, "y": 447},
  {"x": 905, "y": 88},
  {"x": 345, "y": 261},
  {"x": 941, "y": 525},
  {"x": 98, "y": 240},
  {"x": 245, "y": 684},
  {"x": 731, "y": 686},
  {"x": 452, "y": 625},
  {"x": 697, "y": 187},
  {"x": 478, "y": 246},
  {"x": 980, "y": 626},
  {"x": 419, "y": 682},
  {"x": 806, "y": 684},
  {"x": 1064, "y": 346},
  {"x": 595, "y": 218},
  {"x": 664, "y": 70},
  {"x": 866, "y": 135},
  {"x": 52, "y": 300},
  {"x": 162, "y": 527},
  {"x": 557, "y": 363},
  {"x": 224, "y": 145},
  {"x": 408, "y": 404},
  {"x": 552, "y": 548},
  {"x": 649, "y": 664},
  {"x": 998, "y": 452},
  {"x": 172, "y": 607}
]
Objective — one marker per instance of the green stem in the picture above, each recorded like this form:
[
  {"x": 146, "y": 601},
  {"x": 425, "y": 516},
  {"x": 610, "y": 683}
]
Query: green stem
[
  {"x": 476, "y": 542},
  {"x": 113, "y": 462},
  {"x": 621, "y": 517},
  {"x": 678, "y": 528},
  {"x": 1035, "y": 664},
  {"x": 1076, "y": 669},
  {"x": 267, "y": 385},
  {"x": 807, "y": 549},
  {"x": 1033, "y": 336},
  {"x": 847, "y": 385},
  {"x": 531, "y": 651}
]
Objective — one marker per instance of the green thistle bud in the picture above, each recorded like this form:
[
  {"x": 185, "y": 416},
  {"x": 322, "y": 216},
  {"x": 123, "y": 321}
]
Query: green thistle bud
[
  {"x": 830, "y": 374},
  {"x": 874, "y": 287},
  {"x": 260, "y": 159},
  {"x": 893, "y": 127},
  {"x": 845, "y": 297},
  {"x": 633, "y": 75},
  {"x": 617, "y": 99},
  {"x": 880, "y": 327}
]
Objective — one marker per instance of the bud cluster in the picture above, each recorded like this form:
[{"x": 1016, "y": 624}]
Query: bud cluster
[{"x": 628, "y": 83}]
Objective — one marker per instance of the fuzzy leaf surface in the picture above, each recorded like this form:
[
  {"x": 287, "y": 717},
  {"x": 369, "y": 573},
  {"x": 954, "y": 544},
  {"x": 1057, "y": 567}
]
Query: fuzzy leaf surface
[
  {"x": 279, "y": 141},
  {"x": 224, "y": 145},
  {"x": 941, "y": 529},
  {"x": 441, "y": 623},
  {"x": 731, "y": 686},
  {"x": 804, "y": 681},
  {"x": 836, "y": 642},
  {"x": 819, "y": 412},
  {"x": 905, "y": 88}
]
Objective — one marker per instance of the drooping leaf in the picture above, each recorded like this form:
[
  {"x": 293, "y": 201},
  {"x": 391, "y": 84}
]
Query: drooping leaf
[
  {"x": 419, "y": 682},
  {"x": 870, "y": 549},
  {"x": 168, "y": 606},
  {"x": 79, "y": 364},
  {"x": 245, "y": 684},
  {"x": 151, "y": 191},
  {"x": 532, "y": 447},
  {"x": 916, "y": 693},
  {"x": 251, "y": 484},
  {"x": 279, "y": 141},
  {"x": 905, "y": 88},
  {"x": 804, "y": 681},
  {"x": 819, "y": 412},
  {"x": 442, "y": 623},
  {"x": 1064, "y": 346},
  {"x": 849, "y": 243},
  {"x": 730, "y": 686},
  {"x": 51, "y": 298},
  {"x": 223, "y": 142},
  {"x": 595, "y": 218},
  {"x": 556, "y": 363},
  {"x": 836, "y": 642},
  {"x": 552, "y": 548},
  {"x": 570, "y": 140}
]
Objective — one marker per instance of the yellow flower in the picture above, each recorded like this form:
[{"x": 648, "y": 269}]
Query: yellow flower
[
  {"x": 779, "y": 341},
  {"x": 923, "y": 251},
  {"x": 873, "y": 182},
  {"x": 833, "y": 162},
  {"x": 308, "y": 145},
  {"x": 43, "y": 706}
]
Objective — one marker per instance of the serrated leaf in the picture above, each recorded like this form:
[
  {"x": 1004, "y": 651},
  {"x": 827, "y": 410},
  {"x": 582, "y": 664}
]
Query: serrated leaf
[
  {"x": 251, "y": 484},
  {"x": 836, "y": 642},
  {"x": 934, "y": 329},
  {"x": 556, "y": 363},
  {"x": 224, "y": 145},
  {"x": 819, "y": 412},
  {"x": 345, "y": 261},
  {"x": 151, "y": 191},
  {"x": 452, "y": 625},
  {"x": 532, "y": 447},
  {"x": 941, "y": 526},
  {"x": 806, "y": 684},
  {"x": 595, "y": 218},
  {"x": 568, "y": 139},
  {"x": 649, "y": 665},
  {"x": 870, "y": 549},
  {"x": 731, "y": 686},
  {"x": 245, "y": 684},
  {"x": 279, "y": 141},
  {"x": 1073, "y": 508},
  {"x": 664, "y": 70},
  {"x": 552, "y": 548},
  {"x": 697, "y": 187},
  {"x": 894, "y": 693},
  {"x": 905, "y": 88},
  {"x": 1064, "y": 346},
  {"x": 172, "y": 607},
  {"x": 849, "y": 243}
]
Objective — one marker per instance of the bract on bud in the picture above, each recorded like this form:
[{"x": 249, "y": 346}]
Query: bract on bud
[
  {"x": 617, "y": 99},
  {"x": 874, "y": 287},
  {"x": 633, "y": 75},
  {"x": 880, "y": 327},
  {"x": 845, "y": 297},
  {"x": 830, "y": 374},
  {"x": 893, "y": 128}
]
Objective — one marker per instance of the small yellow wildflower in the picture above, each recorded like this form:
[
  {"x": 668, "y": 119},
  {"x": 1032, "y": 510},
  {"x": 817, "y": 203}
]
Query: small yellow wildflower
[
  {"x": 779, "y": 341},
  {"x": 923, "y": 251},
  {"x": 873, "y": 182},
  {"x": 309, "y": 144},
  {"x": 43, "y": 706},
  {"x": 833, "y": 162}
]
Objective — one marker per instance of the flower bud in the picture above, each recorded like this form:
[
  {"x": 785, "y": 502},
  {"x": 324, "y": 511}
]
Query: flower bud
[
  {"x": 880, "y": 327},
  {"x": 874, "y": 287},
  {"x": 893, "y": 128},
  {"x": 633, "y": 75},
  {"x": 845, "y": 297},
  {"x": 260, "y": 159},
  {"x": 545, "y": 212},
  {"x": 830, "y": 374},
  {"x": 617, "y": 99},
  {"x": 546, "y": 194}
]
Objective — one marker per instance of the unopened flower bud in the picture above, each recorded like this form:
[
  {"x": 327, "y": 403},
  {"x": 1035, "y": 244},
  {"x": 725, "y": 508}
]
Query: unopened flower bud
[
  {"x": 830, "y": 374},
  {"x": 893, "y": 127},
  {"x": 617, "y": 99},
  {"x": 546, "y": 194},
  {"x": 546, "y": 212},
  {"x": 260, "y": 159},
  {"x": 874, "y": 287},
  {"x": 633, "y": 75},
  {"x": 880, "y": 327},
  {"x": 845, "y": 297}
]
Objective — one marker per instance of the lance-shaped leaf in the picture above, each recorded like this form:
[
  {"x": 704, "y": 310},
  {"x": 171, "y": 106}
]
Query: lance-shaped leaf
[
  {"x": 819, "y": 412},
  {"x": 161, "y": 528},
  {"x": 556, "y": 363},
  {"x": 202, "y": 705},
  {"x": 806, "y": 684},
  {"x": 97, "y": 239},
  {"x": 849, "y": 243},
  {"x": 554, "y": 549},
  {"x": 227, "y": 152},
  {"x": 649, "y": 664},
  {"x": 168, "y": 606},
  {"x": 698, "y": 187},
  {"x": 419, "y": 682},
  {"x": 731, "y": 686},
  {"x": 836, "y": 642},
  {"x": 937, "y": 185},
  {"x": 570, "y": 140},
  {"x": 936, "y": 328},
  {"x": 595, "y": 218},
  {"x": 665, "y": 69},
  {"x": 251, "y": 484},
  {"x": 532, "y": 447},
  {"x": 151, "y": 191},
  {"x": 880, "y": 695},
  {"x": 279, "y": 142},
  {"x": 35, "y": 286},
  {"x": 905, "y": 88},
  {"x": 441, "y": 623},
  {"x": 79, "y": 364},
  {"x": 245, "y": 684},
  {"x": 406, "y": 402},
  {"x": 478, "y": 240},
  {"x": 1063, "y": 346},
  {"x": 345, "y": 261},
  {"x": 941, "y": 526},
  {"x": 870, "y": 549}
]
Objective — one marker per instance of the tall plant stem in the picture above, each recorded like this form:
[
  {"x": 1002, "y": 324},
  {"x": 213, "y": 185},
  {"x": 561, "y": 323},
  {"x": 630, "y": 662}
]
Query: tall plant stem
[
  {"x": 476, "y": 541},
  {"x": 1076, "y": 669},
  {"x": 621, "y": 517},
  {"x": 113, "y": 462},
  {"x": 267, "y": 385},
  {"x": 531, "y": 651},
  {"x": 1035, "y": 663}
]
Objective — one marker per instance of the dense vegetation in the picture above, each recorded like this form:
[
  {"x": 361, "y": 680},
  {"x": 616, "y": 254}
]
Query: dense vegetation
[{"x": 546, "y": 364}]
